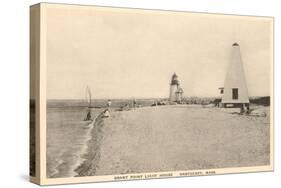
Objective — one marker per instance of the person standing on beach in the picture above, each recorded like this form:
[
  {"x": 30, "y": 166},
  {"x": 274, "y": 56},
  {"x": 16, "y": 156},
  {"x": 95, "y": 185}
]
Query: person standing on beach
[
  {"x": 108, "y": 103},
  {"x": 134, "y": 103},
  {"x": 89, "y": 116},
  {"x": 106, "y": 111}
]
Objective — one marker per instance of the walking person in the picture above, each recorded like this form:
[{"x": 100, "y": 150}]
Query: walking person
[
  {"x": 134, "y": 103},
  {"x": 108, "y": 104}
]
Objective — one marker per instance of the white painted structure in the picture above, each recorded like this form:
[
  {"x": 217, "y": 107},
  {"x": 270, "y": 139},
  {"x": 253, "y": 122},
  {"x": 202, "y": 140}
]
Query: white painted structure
[{"x": 235, "y": 89}]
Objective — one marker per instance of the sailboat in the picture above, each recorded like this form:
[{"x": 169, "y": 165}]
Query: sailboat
[
  {"x": 88, "y": 97},
  {"x": 89, "y": 101}
]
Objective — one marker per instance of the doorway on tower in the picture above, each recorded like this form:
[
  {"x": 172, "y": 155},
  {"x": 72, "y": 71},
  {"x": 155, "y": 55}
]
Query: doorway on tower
[{"x": 235, "y": 93}]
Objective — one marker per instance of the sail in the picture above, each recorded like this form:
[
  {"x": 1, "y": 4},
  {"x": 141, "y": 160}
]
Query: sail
[{"x": 88, "y": 96}]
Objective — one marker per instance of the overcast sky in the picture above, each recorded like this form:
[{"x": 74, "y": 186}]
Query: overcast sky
[{"x": 122, "y": 53}]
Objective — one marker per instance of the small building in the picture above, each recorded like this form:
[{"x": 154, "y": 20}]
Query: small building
[
  {"x": 217, "y": 101},
  {"x": 176, "y": 92},
  {"x": 235, "y": 91}
]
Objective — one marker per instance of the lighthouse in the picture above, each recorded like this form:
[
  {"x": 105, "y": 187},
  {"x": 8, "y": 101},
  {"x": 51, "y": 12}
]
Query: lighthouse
[
  {"x": 235, "y": 91},
  {"x": 176, "y": 91}
]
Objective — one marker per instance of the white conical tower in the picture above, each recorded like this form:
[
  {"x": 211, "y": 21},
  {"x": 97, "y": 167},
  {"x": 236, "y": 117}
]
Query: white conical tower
[{"x": 235, "y": 87}]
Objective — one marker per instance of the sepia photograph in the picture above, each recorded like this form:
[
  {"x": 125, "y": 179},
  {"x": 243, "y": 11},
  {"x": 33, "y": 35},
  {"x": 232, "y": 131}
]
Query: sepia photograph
[{"x": 132, "y": 91}]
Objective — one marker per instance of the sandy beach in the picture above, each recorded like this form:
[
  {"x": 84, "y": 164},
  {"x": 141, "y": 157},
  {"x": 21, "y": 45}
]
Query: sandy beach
[{"x": 177, "y": 137}]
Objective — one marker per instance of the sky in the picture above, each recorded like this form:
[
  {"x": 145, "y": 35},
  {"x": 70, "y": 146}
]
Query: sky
[{"x": 129, "y": 53}]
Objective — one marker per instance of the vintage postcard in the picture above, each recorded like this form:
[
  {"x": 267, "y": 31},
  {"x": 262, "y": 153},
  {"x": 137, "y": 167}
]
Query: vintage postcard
[{"x": 129, "y": 94}]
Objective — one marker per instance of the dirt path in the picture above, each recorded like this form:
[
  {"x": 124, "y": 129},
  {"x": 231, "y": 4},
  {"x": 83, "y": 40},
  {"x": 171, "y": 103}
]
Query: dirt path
[{"x": 181, "y": 138}]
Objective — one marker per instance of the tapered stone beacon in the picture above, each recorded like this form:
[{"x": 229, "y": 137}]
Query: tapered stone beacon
[
  {"x": 235, "y": 91},
  {"x": 176, "y": 91}
]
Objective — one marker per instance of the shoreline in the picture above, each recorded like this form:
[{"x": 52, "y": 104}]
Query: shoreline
[
  {"x": 83, "y": 149},
  {"x": 91, "y": 156}
]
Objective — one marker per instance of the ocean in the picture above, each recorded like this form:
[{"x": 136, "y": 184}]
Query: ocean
[{"x": 68, "y": 133}]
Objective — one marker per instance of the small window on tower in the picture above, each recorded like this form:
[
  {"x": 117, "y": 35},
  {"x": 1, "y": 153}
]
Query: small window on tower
[{"x": 235, "y": 93}]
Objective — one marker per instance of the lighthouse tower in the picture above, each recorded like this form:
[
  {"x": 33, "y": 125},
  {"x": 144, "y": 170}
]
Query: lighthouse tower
[
  {"x": 175, "y": 90},
  {"x": 235, "y": 91}
]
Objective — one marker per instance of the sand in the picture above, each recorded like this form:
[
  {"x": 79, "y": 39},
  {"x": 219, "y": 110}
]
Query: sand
[{"x": 178, "y": 137}]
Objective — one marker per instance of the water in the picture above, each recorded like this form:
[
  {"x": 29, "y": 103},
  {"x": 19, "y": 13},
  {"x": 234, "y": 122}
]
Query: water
[{"x": 67, "y": 135}]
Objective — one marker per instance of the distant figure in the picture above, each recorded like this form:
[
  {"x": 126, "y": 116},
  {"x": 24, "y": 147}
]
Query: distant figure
[
  {"x": 248, "y": 108},
  {"x": 242, "y": 109},
  {"x": 217, "y": 102},
  {"x": 245, "y": 108},
  {"x": 126, "y": 107},
  {"x": 106, "y": 113},
  {"x": 156, "y": 102},
  {"x": 108, "y": 104},
  {"x": 134, "y": 103},
  {"x": 89, "y": 116}
]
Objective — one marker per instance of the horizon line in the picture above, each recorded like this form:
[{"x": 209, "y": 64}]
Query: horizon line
[{"x": 108, "y": 98}]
